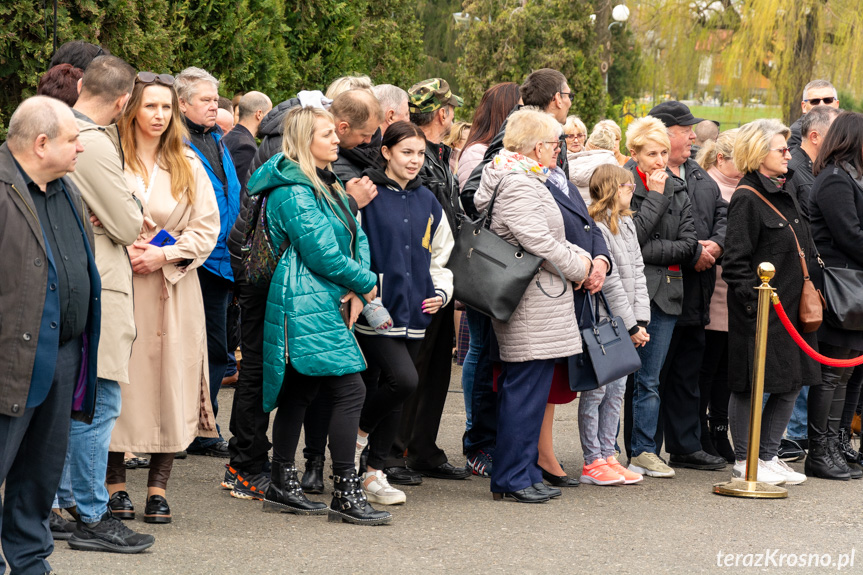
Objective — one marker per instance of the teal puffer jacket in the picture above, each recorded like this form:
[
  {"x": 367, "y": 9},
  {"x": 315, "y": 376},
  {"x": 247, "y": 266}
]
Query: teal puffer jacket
[{"x": 323, "y": 262}]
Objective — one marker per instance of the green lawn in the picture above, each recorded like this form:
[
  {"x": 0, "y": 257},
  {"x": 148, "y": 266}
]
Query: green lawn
[{"x": 735, "y": 116}]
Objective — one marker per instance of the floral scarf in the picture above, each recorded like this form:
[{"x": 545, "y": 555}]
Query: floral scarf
[{"x": 507, "y": 161}]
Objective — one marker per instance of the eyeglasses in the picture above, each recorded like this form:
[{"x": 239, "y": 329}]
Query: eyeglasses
[
  {"x": 782, "y": 151},
  {"x": 150, "y": 77},
  {"x": 554, "y": 144},
  {"x": 816, "y": 101},
  {"x": 580, "y": 136},
  {"x": 562, "y": 94},
  {"x": 627, "y": 185}
]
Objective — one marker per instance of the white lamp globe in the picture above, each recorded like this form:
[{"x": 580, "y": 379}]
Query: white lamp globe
[{"x": 620, "y": 13}]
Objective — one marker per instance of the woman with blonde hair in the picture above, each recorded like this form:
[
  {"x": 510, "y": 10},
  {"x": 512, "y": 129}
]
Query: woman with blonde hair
[
  {"x": 317, "y": 279},
  {"x": 765, "y": 225},
  {"x": 717, "y": 158},
  {"x": 169, "y": 377},
  {"x": 543, "y": 328},
  {"x": 611, "y": 189},
  {"x": 456, "y": 139},
  {"x": 598, "y": 150},
  {"x": 576, "y": 135},
  {"x": 618, "y": 136}
]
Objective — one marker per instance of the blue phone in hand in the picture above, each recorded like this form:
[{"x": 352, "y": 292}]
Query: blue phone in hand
[{"x": 163, "y": 239}]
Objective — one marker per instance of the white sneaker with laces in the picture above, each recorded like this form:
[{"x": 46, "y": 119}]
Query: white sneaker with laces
[
  {"x": 378, "y": 489},
  {"x": 765, "y": 474},
  {"x": 792, "y": 477}
]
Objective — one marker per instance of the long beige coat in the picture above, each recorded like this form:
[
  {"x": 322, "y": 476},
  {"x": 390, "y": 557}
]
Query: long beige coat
[
  {"x": 99, "y": 176},
  {"x": 525, "y": 213},
  {"x": 168, "y": 403}
]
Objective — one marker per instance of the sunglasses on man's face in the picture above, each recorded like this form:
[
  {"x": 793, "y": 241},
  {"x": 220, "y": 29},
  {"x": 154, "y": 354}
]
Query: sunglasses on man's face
[
  {"x": 150, "y": 77},
  {"x": 817, "y": 101}
]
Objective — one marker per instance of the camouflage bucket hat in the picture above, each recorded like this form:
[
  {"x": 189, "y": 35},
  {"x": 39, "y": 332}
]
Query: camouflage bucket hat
[{"x": 431, "y": 95}]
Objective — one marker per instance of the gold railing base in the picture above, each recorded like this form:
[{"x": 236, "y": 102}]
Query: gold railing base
[{"x": 753, "y": 489}]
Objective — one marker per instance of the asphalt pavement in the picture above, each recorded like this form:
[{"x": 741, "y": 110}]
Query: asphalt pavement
[{"x": 659, "y": 526}]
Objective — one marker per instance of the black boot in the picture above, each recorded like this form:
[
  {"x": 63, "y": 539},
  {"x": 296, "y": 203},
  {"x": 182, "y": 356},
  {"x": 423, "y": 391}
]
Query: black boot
[
  {"x": 350, "y": 504},
  {"x": 285, "y": 494},
  {"x": 851, "y": 454},
  {"x": 313, "y": 478},
  {"x": 719, "y": 437},
  {"x": 707, "y": 441},
  {"x": 820, "y": 463},
  {"x": 839, "y": 459}
]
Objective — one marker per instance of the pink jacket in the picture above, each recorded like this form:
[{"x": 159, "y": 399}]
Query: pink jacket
[{"x": 718, "y": 308}]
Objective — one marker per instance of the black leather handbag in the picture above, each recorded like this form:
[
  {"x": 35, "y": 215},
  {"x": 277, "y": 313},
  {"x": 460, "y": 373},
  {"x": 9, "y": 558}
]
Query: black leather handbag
[
  {"x": 843, "y": 290},
  {"x": 608, "y": 353},
  {"x": 489, "y": 273}
]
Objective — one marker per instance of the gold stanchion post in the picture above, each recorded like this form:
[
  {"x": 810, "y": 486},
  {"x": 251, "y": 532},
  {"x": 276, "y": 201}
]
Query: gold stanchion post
[{"x": 750, "y": 486}]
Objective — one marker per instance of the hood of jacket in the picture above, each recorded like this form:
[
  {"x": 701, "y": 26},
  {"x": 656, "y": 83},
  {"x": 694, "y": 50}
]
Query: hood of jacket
[
  {"x": 583, "y": 164},
  {"x": 276, "y": 172},
  {"x": 273, "y": 122},
  {"x": 379, "y": 178}
]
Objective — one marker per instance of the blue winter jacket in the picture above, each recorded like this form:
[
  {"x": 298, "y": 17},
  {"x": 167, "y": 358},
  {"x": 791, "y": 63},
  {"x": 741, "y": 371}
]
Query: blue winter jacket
[{"x": 324, "y": 260}]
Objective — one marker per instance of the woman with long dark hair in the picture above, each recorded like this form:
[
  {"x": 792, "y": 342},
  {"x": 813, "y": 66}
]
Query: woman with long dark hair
[{"x": 836, "y": 218}]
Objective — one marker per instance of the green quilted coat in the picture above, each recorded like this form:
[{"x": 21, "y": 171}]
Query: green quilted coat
[{"x": 302, "y": 324}]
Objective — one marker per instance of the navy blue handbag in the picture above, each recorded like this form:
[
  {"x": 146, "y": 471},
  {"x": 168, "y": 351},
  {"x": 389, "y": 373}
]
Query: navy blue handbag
[{"x": 608, "y": 353}]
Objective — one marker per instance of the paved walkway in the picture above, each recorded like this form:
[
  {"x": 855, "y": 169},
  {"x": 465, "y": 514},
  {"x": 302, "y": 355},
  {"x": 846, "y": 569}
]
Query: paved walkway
[{"x": 661, "y": 526}]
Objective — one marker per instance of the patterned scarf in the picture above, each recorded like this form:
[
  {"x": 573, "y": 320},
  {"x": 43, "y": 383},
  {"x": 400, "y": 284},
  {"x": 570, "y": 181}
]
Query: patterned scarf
[{"x": 507, "y": 161}]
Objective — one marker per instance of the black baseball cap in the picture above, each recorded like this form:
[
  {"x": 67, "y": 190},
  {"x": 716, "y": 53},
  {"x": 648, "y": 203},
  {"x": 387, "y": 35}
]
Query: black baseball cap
[{"x": 674, "y": 113}]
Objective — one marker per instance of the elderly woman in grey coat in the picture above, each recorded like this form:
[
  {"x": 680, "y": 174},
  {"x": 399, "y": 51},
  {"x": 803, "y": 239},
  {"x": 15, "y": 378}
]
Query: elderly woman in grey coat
[{"x": 542, "y": 328}]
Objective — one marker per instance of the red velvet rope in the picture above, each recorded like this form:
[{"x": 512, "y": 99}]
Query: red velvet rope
[{"x": 792, "y": 331}]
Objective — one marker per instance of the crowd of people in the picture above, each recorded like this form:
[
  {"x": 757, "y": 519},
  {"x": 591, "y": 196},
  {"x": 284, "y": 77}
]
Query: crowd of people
[{"x": 140, "y": 210}]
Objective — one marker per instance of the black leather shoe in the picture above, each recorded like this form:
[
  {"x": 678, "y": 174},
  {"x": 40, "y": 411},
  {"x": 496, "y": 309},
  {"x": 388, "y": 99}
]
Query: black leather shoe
[
  {"x": 121, "y": 506},
  {"x": 820, "y": 463},
  {"x": 698, "y": 460},
  {"x": 552, "y": 492},
  {"x": 444, "y": 471},
  {"x": 349, "y": 504},
  {"x": 218, "y": 449},
  {"x": 526, "y": 495},
  {"x": 559, "y": 480},
  {"x": 157, "y": 510},
  {"x": 839, "y": 459},
  {"x": 313, "y": 478},
  {"x": 790, "y": 450},
  {"x": 403, "y": 476},
  {"x": 851, "y": 454}
]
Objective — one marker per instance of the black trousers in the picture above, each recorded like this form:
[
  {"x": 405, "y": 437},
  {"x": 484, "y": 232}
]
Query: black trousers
[
  {"x": 713, "y": 379},
  {"x": 298, "y": 391},
  {"x": 826, "y": 402},
  {"x": 422, "y": 412},
  {"x": 32, "y": 453},
  {"x": 217, "y": 293},
  {"x": 680, "y": 400},
  {"x": 390, "y": 379},
  {"x": 250, "y": 445}
]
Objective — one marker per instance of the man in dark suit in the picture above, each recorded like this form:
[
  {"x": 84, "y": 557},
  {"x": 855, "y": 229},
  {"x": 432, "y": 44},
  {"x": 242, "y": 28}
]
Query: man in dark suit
[{"x": 241, "y": 141}]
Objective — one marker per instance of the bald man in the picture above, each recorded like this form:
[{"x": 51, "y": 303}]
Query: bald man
[
  {"x": 241, "y": 141},
  {"x": 51, "y": 319}
]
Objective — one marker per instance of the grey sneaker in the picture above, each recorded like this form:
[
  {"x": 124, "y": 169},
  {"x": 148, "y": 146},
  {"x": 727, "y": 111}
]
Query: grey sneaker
[{"x": 650, "y": 464}]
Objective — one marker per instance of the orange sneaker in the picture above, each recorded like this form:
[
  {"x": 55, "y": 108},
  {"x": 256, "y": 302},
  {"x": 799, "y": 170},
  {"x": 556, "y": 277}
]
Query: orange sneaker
[
  {"x": 629, "y": 477},
  {"x": 599, "y": 473}
]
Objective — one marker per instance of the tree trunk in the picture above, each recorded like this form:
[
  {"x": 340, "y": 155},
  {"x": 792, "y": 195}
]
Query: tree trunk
[{"x": 798, "y": 72}]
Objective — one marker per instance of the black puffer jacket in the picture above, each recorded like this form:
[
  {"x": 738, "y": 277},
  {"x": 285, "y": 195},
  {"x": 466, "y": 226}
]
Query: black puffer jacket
[
  {"x": 270, "y": 131},
  {"x": 472, "y": 184},
  {"x": 437, "y": 176},
  {"x": 352, "y": 163},
  {"x": 709, "y": 213}
]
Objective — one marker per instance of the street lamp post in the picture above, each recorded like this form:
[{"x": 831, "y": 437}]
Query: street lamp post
[{"x": 620, "y": 14}]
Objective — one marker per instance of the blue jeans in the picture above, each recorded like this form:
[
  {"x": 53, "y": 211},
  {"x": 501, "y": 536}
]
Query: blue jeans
[
  {"x": 482, "y": 433},
  {"x": 797, "y": 429},
  {"x": 83, "y": 479},
  {"x": 468, "y": 369},
  {"x": 599, "y": 419},
  {"x": 645, "y": 395}
]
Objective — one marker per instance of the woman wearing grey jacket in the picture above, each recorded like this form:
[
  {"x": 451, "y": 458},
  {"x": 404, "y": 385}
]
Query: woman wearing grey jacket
[{"x": 611, "y": 189}]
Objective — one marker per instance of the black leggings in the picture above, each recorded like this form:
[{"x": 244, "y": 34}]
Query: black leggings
[
  {"x": 347, "y": 393},
  {"x": 713, "y": 379},
  {"x": 390, "y": 379},
  {"x": 826, "y": 402}
]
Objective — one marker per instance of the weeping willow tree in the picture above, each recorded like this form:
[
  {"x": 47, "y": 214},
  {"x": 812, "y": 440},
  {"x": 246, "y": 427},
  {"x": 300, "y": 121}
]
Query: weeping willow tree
[{"x": 743, "y": 44}]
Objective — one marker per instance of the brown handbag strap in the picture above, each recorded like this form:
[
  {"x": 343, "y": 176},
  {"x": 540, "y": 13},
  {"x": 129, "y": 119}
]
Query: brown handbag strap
[{"x": 799, "y": 249}]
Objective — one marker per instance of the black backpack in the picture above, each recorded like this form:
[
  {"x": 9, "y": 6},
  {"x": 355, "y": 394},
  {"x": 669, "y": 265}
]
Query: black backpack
[{"x": 260, "y": 258}]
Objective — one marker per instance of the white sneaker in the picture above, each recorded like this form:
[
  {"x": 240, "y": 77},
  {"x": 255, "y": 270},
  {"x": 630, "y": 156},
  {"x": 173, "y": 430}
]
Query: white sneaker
[
  {"x": 358, "y": 452},
  {"x": 776, "y": 465},
  {"x": 378, "y": 490},
  {"x": 765, "y": 474}
]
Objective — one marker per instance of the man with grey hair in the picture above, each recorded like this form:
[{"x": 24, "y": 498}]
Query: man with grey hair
[
  {"x": 51, "y": 310},
  {"x": 394, "y": 105},
  {"x": 814, "y": 127},
  {"x": 198, "y": 92},
  {"x": 240, "y": 141},
  {"x": 815, "y": 93},
  {"x": 704, "y": 130}
]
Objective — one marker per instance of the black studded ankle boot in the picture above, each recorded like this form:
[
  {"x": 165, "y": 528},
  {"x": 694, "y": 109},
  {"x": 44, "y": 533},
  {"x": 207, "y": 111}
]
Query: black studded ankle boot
[
  {"x": 719, "y": 436},
  {"x": 350, "y": 504},
  {"x": 313, "y": 478},
  {"x": 284, "y": 495}
]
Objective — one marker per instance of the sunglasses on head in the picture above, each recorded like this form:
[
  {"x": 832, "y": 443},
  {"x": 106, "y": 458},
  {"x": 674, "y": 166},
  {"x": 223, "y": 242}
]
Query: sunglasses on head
[
  {"x": 817, "y": 101},
  {"x": 150, "y": 77}
]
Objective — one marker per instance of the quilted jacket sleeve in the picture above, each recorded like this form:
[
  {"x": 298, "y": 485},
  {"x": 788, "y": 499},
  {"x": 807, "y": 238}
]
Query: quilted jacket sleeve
[{"x": 310, "y": 232}]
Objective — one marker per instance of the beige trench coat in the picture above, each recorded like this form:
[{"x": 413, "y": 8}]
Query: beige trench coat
[
  {"x": 168, "y": 403},
  {"x": 525, "y": 213}
]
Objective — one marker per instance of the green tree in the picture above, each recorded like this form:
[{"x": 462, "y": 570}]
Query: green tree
[
  {"x": 507, "y": 39},
  {"x": 440, "y": 37}
]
